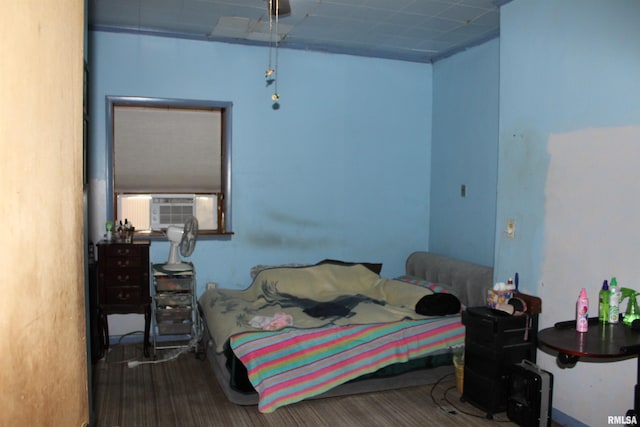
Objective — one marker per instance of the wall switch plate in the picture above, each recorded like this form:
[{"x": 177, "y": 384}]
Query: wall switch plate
[{"x": 511, "y": 229}]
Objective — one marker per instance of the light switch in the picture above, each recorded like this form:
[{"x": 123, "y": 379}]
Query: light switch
[{"x": 511, "y": 229}]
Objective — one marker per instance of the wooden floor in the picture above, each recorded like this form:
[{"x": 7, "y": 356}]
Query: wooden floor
[{"x": 184, "y": 393}]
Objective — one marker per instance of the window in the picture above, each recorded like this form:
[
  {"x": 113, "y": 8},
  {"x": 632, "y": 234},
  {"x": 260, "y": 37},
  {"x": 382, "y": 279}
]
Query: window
[{"x": 170, "y": 159}]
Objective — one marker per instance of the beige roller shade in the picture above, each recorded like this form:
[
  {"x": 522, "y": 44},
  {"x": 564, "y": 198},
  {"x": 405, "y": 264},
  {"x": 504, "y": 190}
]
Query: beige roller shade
[{"x": 167, "y": 150}]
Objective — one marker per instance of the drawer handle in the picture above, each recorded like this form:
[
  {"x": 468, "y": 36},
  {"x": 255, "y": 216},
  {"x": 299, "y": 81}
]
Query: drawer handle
[
  {"x": 123, "y": 278},
  {"x": 123, "y": 251},
  {"x": 123, "y": 263},
  {"x": 123, "y": 296}
]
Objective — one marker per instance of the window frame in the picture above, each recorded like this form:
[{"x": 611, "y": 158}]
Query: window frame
[{"x": 189, "y": 104}]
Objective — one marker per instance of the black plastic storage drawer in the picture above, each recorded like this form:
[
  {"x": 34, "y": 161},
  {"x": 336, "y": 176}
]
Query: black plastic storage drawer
[
  {"x": 489, "y": 394},
  {"x": 493, "y": 343},
  {"x": 486, "y": 327},
  {"x": 482, "y": 357}
]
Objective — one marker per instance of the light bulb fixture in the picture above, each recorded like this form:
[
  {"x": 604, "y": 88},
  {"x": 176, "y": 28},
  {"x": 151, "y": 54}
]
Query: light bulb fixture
[{"x": 282, "y": 8}]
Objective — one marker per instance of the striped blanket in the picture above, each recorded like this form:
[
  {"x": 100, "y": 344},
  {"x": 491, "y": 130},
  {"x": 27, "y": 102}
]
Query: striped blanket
[{"x": 290, "y": 365}]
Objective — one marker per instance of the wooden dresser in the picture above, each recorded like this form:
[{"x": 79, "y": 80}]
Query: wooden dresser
[{"x": 123, "y": 285}]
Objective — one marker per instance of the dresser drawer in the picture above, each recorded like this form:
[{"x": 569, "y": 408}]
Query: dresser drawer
[
  {"x": 124, "y": 262},
  {"x": 123, "y": 277},
  {"x": 125, "y": 250},
  {"x": 125, "y": 295}
]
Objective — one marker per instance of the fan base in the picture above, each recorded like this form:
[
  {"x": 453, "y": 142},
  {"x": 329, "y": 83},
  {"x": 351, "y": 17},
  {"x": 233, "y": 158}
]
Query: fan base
[{"x": 180, "y": 266}]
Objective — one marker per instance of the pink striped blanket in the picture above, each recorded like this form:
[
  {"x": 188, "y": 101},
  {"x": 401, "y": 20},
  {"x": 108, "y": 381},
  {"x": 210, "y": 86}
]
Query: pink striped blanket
[{"x": 290, "y": 365}]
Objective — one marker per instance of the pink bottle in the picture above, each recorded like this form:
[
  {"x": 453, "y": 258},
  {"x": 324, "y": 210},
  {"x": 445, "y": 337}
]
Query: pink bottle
[{"x": 582, "y": 312}]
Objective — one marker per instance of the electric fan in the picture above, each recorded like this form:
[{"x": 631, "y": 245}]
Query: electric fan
[{"x": 185, "y": 239}]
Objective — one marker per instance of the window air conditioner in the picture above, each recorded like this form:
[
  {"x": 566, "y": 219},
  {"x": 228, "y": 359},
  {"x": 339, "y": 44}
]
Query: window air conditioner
[{"x": 171, "y": 209}]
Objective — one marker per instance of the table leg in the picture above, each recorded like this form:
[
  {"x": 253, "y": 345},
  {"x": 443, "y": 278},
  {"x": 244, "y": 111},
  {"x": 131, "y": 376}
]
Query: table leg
[
  {"x": 103, "y": 327},
  {"x": 636, "y": 396},
  {"x": 567, "y": 360}
]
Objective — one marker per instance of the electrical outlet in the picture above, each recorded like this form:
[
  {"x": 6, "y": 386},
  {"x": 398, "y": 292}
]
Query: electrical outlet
[
  {"x": 511, "y": 229},
  {"x": 212, "y": 285}
]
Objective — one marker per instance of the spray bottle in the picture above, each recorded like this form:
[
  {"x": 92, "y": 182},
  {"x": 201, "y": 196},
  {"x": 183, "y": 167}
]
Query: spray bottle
[
  {"x": 614, "y": 301},
  {"x": 603, "y": 308},
  {"x": 582, "y": 312},
  {"x": 632, "y": 312}
]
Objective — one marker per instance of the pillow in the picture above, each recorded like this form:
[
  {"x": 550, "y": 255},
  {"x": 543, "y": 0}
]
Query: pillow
[
  {"x": 374, "y": 267},
  {"x": 438, "y": 305}
]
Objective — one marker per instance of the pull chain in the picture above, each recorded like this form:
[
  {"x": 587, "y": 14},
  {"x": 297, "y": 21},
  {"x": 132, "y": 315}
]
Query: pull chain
[{"x": 272, "y": 72}]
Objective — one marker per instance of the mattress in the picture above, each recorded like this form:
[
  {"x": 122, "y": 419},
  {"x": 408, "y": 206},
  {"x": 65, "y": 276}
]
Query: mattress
[{"x": 381, "y": 337}]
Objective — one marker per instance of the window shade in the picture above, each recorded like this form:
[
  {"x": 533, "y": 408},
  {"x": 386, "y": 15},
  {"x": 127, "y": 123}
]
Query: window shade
[{"x": 167, "y": 150}]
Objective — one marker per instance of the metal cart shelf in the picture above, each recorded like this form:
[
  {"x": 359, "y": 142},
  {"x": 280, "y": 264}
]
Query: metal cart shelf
[{"x": 175, "y": 319}]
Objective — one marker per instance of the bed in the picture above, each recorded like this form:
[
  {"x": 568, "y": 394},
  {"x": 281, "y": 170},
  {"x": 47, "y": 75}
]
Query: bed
[{"x": 337, "y": 328}]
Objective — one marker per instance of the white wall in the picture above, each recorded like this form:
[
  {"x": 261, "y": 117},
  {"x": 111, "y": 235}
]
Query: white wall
[{"x": 568, "y": 151}]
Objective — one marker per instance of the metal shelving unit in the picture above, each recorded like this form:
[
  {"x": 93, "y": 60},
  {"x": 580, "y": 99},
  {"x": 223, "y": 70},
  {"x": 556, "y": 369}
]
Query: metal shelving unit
[{"x": 175, "y": 318}]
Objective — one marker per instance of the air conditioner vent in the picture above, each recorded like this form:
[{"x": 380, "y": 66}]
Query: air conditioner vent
[{"x": 171, "y": 209}]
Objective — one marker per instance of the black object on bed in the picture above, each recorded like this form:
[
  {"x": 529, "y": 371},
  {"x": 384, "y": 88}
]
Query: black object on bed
[{"x": 438, "y": 305}]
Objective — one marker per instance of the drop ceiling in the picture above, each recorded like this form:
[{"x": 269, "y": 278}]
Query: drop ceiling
[{"x": 408, "y": 30}]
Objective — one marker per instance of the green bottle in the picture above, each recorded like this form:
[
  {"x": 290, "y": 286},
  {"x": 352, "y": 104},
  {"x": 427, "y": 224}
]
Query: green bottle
[
  {"x": 603, "y": 309},
  {"x": 614, "y": 301}
]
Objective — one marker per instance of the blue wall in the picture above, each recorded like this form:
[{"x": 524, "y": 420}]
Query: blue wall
[
  {"x": 342, "y": 170},
  {"x": 465, "y": 152}
]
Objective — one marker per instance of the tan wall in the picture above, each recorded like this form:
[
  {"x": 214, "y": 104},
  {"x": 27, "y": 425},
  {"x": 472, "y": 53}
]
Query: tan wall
[{"x": 43, "y": 370}]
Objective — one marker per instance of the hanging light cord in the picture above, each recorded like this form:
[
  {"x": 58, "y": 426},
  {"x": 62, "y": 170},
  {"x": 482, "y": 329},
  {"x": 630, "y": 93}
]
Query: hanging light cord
[
  {"x": 269, "y": 69},
  {"x": 276, "y": 96}
]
